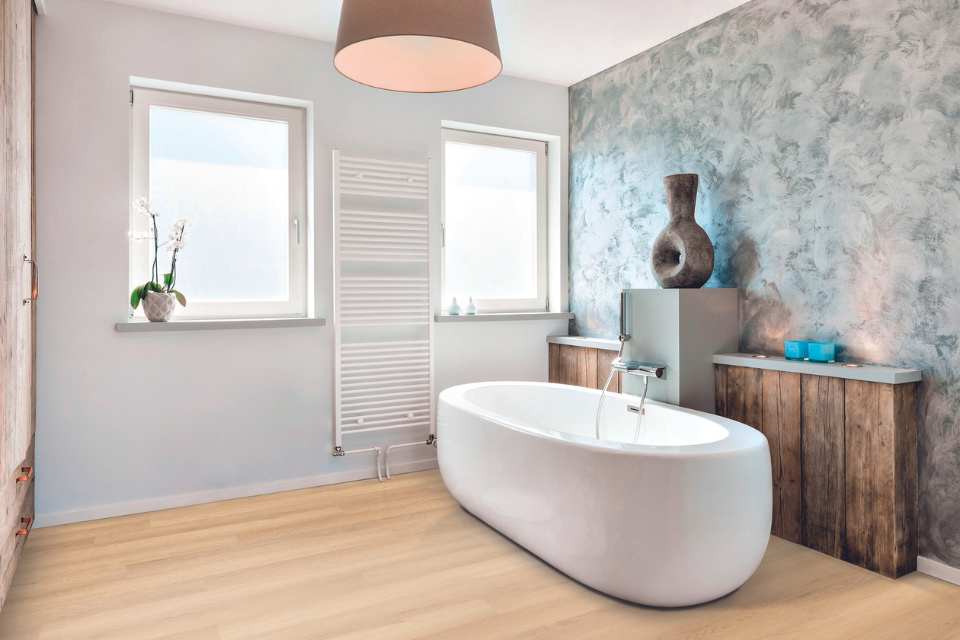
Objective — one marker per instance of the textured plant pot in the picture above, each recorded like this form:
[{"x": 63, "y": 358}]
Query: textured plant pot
[
  {"x": 159, "y": 307},
  {"x": 682, "y": 253}
]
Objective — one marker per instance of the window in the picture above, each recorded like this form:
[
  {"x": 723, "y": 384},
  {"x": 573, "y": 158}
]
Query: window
[
  {"x": 237, "y": 171},
  {"x": 494, "y": 221}
]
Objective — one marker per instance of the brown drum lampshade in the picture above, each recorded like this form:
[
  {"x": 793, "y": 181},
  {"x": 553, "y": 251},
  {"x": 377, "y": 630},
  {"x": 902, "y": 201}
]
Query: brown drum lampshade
[{"x": 420, "y": 46}]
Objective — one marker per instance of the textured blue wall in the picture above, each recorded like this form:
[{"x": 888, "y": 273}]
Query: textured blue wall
[{"x": 827, "y": 139}]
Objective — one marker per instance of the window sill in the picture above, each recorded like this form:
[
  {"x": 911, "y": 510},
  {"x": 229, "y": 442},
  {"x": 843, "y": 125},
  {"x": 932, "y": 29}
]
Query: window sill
[
  {"x": 138, "y": 326},
  {"x": 493, "y": 317}
]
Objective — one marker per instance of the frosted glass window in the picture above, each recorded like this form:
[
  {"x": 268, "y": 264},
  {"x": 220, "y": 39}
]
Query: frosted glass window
[
  {"x": 237, "y": 171},
  {"x": 494, "y": 222},
  {"x": 230, "y": 177}
]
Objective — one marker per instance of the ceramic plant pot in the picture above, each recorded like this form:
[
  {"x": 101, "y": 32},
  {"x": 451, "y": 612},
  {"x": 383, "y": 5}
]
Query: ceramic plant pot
[
  {"x": 158, "y": 307},
  {"x": 682, "y": 253}
]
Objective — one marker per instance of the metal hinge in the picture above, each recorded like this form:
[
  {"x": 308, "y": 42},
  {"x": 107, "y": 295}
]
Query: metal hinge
[
  {"x": 443, "y": 235},
  {"x": 338, "y": 451},
  {"x": 131, "y": 97},
  {"x": 432, "y": 440}
]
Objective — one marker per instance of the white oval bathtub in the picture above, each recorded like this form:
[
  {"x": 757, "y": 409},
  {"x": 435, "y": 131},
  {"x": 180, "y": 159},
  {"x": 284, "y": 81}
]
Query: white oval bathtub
[{"x": 680, "y": 518}]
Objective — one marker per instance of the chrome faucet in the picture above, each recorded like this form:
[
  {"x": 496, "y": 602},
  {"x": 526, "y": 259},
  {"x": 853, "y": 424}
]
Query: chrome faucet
[
  {"x": 634, "y": 368},
  {"x": 645, "y": 370}
]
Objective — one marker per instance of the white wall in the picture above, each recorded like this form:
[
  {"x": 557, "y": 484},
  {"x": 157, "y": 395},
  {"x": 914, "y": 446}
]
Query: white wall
[{"x": 137, "y": 421}]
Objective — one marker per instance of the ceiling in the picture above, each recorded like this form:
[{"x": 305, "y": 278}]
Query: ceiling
[{"x": 556, "y": 41}]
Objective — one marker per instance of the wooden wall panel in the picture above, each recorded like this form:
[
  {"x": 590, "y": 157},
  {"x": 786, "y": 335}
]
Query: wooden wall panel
[
  {"x": 568, "y": 364},
  {"x": 554, "y": 364},
  {"x": 907, "y": 536},
  {"x": 736, "y": 394},
  {"x": 720, "y": 390},
  {"x": 823, "y": 463},
  {"x": 769, "y": 401},
  {"x": 588, "y": 368},
  {"x": 579, "y": 366},
  {"x": 881, "y": 477},
  {"x": 790, "y": 487},
  {"x": 865, "y": 438},
  {"x": 604, "y": 359}
]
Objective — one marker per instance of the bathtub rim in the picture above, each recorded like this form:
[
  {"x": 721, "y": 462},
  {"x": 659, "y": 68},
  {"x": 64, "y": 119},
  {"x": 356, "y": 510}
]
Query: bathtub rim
[{"x": 741, "y": 438}]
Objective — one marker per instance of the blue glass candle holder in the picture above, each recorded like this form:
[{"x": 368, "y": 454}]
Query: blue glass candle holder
[
  {"x": 795, "y": 349},
  {"x": 822, "y": 351}
]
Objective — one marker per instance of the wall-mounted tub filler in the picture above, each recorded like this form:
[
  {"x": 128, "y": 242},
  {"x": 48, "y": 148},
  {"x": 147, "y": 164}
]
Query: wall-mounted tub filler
[
  {"x": 644, "y": 370},
  {"x": 683, "y": 329}
]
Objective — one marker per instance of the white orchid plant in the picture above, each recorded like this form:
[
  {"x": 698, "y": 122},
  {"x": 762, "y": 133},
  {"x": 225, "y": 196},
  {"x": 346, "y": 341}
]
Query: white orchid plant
[{"x": 174, "y": 245}]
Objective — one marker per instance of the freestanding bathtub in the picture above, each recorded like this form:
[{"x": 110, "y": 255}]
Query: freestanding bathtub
[{"x": 681, "y": 518}]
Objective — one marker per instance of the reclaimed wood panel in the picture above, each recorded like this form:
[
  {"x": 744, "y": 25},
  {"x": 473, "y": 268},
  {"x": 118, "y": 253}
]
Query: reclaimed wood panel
[
  {"x": 587, "y": 363},
  {"x": 769, "y": 401},
  {"x": 554, "y": 364},
  {"x": 822, "y": 412},
  {"x": 580, "y": 366},
  {"x": 865, "y": 438},
  {"x": 720, "y": 390},
  {"x": 568, "y": 364},
  {"x": 770, "y": 427},
  {"x": 736, "y": 394},
  {"x": 881, "y": 477},
  {"x": 790, "y": 485},
  {"x": 604, "y": 360},
  {"x": 743, "y": 395},
  {"x": 843, "y": 456},
  {"x": 752, "y": 380},
  {"x": 905, "y": 417}
]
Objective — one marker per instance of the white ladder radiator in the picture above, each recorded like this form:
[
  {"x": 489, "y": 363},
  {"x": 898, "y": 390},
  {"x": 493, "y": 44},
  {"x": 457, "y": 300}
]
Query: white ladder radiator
[{"x": 384, "y": 397}]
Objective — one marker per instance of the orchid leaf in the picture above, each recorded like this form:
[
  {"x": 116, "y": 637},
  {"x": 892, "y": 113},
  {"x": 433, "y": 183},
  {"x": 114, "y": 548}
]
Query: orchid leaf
[
  {"x": 135, "y": 297},
  {"x": 182, "y": 299},
  {"x": 168, "y": 279}
]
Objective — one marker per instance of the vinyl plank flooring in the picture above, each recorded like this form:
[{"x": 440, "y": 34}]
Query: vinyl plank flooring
[{"x": 401, "y": 561}]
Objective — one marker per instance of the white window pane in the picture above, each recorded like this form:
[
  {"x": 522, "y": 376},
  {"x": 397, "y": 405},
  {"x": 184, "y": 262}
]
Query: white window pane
[
  {"x": 229, "y": 176},
  {"x": 491, "y": 222}
]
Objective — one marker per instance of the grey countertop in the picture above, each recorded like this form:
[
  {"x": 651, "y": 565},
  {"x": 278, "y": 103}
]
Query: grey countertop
[
  {"x": 580, "y": 341},
  {"x": 849, "y": 371}
]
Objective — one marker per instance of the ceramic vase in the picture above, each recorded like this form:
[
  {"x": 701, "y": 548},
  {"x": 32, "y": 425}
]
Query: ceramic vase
[
  {"x": 682, "y": 253},
  {"x": 159, "y": 307}
]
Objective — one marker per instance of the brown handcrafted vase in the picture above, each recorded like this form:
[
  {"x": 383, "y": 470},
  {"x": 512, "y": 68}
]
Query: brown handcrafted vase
[{"x": 682, "y": 253}]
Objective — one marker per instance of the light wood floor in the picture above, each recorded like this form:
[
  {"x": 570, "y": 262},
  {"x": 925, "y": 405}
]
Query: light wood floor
[{"x": 401, "y": 560}]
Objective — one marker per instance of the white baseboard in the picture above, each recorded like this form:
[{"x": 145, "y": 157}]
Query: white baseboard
[
  {"x": 938, "y": 569},
  {"x": 216, "y": 495}
]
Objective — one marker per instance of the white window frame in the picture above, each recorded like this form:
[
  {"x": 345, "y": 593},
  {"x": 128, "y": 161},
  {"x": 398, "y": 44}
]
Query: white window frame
[
  {"x": 300, "y": 232},
  {"x": 539, "y": 147}
]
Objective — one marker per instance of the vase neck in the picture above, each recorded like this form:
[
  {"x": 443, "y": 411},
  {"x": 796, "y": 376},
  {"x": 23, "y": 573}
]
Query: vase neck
[{"x": 681, "y": 195}]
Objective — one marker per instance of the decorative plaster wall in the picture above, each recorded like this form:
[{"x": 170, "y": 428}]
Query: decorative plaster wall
[{"x": 827, "y": 139}]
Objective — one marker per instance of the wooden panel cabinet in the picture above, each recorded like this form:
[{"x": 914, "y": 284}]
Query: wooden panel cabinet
[
  {"x": 844, "y": 460},
  {"x": 582, "y": 366},
  {"x": 17, "y": 285}
]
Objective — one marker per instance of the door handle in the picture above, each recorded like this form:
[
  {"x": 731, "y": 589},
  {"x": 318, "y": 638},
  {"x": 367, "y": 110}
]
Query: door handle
[
  {"x": 34, "y": 280},
  {"x": 26, "y": 524}
]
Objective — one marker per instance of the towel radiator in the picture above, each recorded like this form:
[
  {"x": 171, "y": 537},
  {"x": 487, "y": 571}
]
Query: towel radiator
[{"x": 382, "y": 307}]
